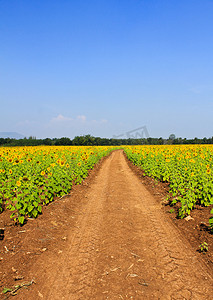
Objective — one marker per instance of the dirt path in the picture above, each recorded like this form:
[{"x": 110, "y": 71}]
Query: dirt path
[{"x": 121, "y": 246}]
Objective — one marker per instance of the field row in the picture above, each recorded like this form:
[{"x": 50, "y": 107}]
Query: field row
[
  {"x": 188, "y": 170},
  {"x": 31, "y": 177}
]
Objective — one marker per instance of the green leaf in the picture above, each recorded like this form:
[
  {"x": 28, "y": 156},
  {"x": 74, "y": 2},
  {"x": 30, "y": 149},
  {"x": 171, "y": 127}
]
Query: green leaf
[
  {"x": 35, "y": 213},
  {"x": 30, "y": 208},
  {"x": 35, "y": 203},
  {"x": 21, "y": 219},
  {"x": 12, "y": 208},
  {"x": 18, "y": 206},
  {"x": 6, "y": 290}
]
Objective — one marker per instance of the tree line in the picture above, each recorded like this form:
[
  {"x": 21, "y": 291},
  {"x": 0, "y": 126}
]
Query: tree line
[{"x": 88, "y": 140}]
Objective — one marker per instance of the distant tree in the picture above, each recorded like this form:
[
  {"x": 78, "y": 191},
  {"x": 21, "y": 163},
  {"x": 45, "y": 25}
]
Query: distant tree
[
  {"x": 160, "y": 141},
  {"x": 2, "y": 141},
  {"x": 172, "y": 136},
  {"x": 78, "y": 141},
  {"x": 48, "y": 141},
  {"x": 63, "y": 141},
  {"x": 88, "y": 140}
]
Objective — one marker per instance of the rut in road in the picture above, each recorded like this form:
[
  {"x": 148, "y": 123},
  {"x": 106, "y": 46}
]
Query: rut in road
[{"x": 121, "y": 247}]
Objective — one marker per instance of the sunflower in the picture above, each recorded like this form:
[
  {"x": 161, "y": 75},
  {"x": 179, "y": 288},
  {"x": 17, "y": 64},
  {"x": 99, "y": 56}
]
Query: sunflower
[
  {"x": 208, "y": 171},
  {"x": 18, "y": 183}
]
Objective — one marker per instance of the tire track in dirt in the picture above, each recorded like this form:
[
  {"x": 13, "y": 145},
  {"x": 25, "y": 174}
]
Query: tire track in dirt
[
  {"x": 121, "y": 247},
  {"x": 72, "y": 272}
]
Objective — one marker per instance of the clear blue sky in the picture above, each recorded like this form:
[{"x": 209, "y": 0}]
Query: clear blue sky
[{"x": 104, "y": 67}]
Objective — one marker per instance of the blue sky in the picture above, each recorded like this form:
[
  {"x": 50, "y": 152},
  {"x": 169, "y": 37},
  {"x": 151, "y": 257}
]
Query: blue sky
[{"x": 104, "y": 67}]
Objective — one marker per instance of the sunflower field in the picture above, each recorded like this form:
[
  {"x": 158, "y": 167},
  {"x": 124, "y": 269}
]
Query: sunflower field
[
  {"x": 187, "y": 168},
  {"x": 31, "y": 177}
]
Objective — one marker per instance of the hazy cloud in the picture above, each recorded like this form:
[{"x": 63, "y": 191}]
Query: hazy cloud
[
  {"x": 81, "y": 118},
  {"x": 61, "y": 118}
]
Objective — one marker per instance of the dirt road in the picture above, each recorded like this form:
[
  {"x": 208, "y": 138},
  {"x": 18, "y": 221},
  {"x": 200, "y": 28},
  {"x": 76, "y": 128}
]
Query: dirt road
[{"x": 121, "y": 246}]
